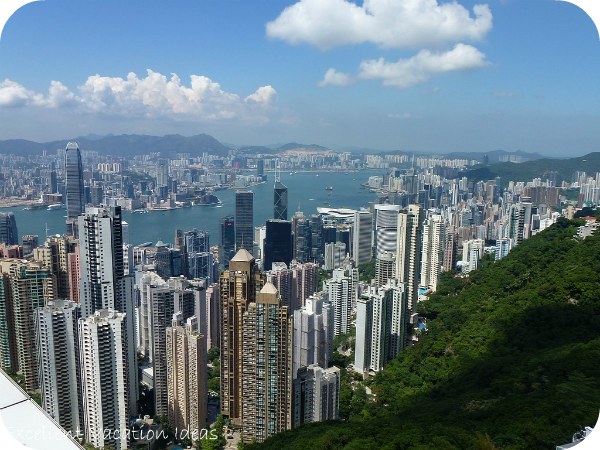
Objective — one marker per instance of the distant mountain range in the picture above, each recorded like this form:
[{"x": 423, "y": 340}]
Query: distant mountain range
[{"x": 558, "y": 169}]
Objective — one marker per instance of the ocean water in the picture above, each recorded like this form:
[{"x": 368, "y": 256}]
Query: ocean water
[{"x": 305, "y": 189}]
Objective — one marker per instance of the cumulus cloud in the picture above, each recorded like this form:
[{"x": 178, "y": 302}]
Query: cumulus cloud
[
  {"x": 421, "y": 67},
  {"x": 334, "y": 78},
  {"x": 154, "y": 95},
  {"x": 264, "y": 95},
  {"x": 385, "y": 23}
]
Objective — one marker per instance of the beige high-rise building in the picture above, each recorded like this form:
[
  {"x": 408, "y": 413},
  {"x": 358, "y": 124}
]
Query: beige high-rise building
[
  {"x": 54, "y": 255},
  {"x": 238, "y": 287},
  {"x": 432, "y": 258},
  {"x": 26, "y": 286},
  {"x": 186, "y": 377},
  {"x": 266, "y": 367}
]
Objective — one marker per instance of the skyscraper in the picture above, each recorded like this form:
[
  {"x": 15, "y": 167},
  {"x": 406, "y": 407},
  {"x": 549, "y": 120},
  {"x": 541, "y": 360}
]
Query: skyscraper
[
  {"x": 238, "y": 287},
  {"x": 103, "y": 283},
  {"x": 362, "y": 241},
  {"x": 57, "y": 340},
  {"x": 8, "y": 229},
  {"x": 54, "y": 254},
  {"x": 74, "y": 183},
  {"x": 105, "y": 378},
  {"x": 340, "y": 289},
  {"x": 278, "y": 243},
  {"x": 280, "y": 201},
  {"x": 244, "y": 219},
  {"x": 227, "y": 240},
  {"x": 386, "y": 228},
  {"x": 266, "y": 367},
  {"x": 408, "y": 253},
  {"x": 186, "y": 375}
]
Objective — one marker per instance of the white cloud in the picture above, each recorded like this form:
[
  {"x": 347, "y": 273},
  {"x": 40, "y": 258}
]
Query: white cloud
[
  {"x": 421, "y": 67},
  {"x": 262, "y": 95},
  {"x": 334, "y": 78},
  {"x": 386, "y": 23},
  {"x": 152, "y": 96}
]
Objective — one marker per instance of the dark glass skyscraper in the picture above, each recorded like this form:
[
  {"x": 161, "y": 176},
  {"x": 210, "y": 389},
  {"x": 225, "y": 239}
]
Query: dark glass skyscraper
[
  {"x": 280, "y": 201},
  {"x": 278, "y": 242},
  {"x": 227, "y": 240},
  {"x": 8, "y": 229},
  {"x": 74, "y": 182},
  {"x": 244, "y": 219}
]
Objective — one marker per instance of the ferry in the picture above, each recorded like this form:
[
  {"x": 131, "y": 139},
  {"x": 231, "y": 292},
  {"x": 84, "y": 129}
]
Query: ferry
[
  {"x": 55, "y": 206},
  {"x": 329, "y": 188}
]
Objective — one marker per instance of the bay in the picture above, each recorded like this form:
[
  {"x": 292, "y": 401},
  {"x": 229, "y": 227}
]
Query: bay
[{"x": 306, "y": 190}]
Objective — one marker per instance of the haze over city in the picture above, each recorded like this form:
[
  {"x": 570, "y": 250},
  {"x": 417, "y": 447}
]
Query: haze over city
[{"x": 419, "y": 76}]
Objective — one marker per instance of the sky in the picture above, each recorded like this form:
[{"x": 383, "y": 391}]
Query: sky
[{"x": 415, "y": 75}]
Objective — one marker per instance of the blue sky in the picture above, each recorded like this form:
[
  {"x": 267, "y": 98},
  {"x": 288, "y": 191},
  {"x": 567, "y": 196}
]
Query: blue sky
[{"x": 418, "y": 75}]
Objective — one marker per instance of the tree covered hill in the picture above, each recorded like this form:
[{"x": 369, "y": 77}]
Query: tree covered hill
[{"x": 510, "y": 360}]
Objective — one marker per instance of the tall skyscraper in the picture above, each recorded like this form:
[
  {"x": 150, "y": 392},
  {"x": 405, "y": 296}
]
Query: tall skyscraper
[
  {"x": 238, "y": 287},
  {"x": 302, "y": 238},
  {"x": 280, "y": 201},
  {"x": 386, "y": 228},
  {"x": 244, "y": 219},
  {"x": 103, "y": 283},
  {"x": 29, "y": 285},
  {"x": 266, "y": 367},
  {"x": 408, "y": 253},
  {"x": 306, "y": 276},
  {"x": 278, "y": 243},
  {"x": 57, "y": 340},
  {"x": 385, "y": 266},
  {"x": 8, "y": 229},
  {"x": 227, "y": 249},
  {"x": 74, "y": 183},
  {"x": 105, "y": 378},
  {"x": 186, "y": 375},
  {"x": 316, "y": 395},
  {"x": 434, "y": 234},
  {"x": 362, "y": 241}
]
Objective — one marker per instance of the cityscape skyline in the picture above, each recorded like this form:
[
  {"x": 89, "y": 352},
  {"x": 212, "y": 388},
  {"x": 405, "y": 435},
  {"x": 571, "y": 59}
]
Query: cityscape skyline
[{"x": 509, "y": 75}]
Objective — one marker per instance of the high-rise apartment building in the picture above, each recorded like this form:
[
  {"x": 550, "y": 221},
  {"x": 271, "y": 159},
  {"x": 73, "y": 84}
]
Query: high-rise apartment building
[
  {"x": 103, "y": 283},
  {"x": 313, "y": 334},
  {"x": 316, "y": 395},
  {"x": 105, "y": 378},
  {"x": 57, "y": 340},
  {"x": 73, "y": 183},
  {"x": 386, "y": 228},
  {"x": 306, "y": 276},
  {"x": 385, "y": 267},
  {"x": 187, "y": 390},
  {"x": 244, "y": 219},
  {"x": 432, "y": 258},
  {"x": 238, "y": 287},
  {"x": 27, "y": 285},
  {"x": 54, "y": 255},
  {"x": 266, "y": 367},
  {"x": 8, "y": 229},
  {"x": 408, "y": 253},
  {"x": 340, "y": 292}
]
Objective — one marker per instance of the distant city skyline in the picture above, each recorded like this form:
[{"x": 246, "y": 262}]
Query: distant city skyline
[{"x": 465, "y": 76}]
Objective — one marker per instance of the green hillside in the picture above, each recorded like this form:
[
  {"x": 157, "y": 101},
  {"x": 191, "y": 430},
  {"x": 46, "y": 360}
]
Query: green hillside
[
  {"x": 540, "y": 168},
  {"x": 510, "y": 361}
]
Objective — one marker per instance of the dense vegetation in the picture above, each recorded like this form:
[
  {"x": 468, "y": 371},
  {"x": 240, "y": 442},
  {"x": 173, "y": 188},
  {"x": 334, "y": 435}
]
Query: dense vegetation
[
  {"x": 510, "y": 360},
  {"x": 543, "y": 168}
]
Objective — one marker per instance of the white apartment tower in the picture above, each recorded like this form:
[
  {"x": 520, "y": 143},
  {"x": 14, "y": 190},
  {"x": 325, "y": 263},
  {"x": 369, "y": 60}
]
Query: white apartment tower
[
  {"x": 57, "y": 340},
  {"x": 313, "y": 334},
  {"x": 340, "y": 290},
  {"x": 316, "y": 395},
  {"x": 434, "y": 233},
  {"x": 362, "y": 237},
  {"x": 408, "y": 253},
  {"x": 105, "y": 378}
]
